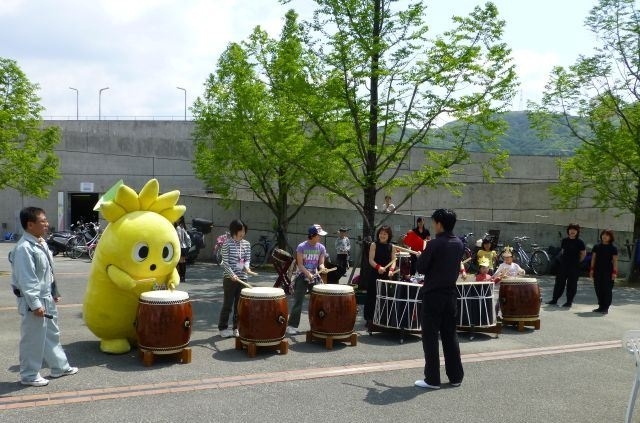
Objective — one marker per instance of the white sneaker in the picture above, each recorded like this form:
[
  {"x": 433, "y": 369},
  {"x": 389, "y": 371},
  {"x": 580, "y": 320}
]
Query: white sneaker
[
  {"x": 226, "y": 333},
  {"x": 422, "y": 384},
  {"x": 236, "y": 333},
  {"x": 70, "y": 371},
  {"x": 38, "y": 381},
  {"x": 291, "y": 330}
]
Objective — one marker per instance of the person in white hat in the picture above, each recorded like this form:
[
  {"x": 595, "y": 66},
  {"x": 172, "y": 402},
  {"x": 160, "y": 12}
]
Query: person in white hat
[{"x": 310, "y": 256}]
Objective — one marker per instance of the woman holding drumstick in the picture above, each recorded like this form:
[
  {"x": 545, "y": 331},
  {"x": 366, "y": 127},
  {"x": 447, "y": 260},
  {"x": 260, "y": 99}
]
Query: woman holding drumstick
[{"x": 382, "y": 259}]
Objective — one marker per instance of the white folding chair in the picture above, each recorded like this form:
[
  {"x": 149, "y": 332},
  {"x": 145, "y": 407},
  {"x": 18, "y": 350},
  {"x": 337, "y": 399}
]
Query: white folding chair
[{"x": 631, "y": 343}]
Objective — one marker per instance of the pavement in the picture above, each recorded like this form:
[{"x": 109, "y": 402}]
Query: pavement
[{"x": 571, "y": 370}]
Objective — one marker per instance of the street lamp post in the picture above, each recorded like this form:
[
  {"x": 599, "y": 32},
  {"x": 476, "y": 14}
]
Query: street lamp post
[
  {"x": 76, "y": 90},
  {"x": 100, "y": 102},
  {"x": 185, "y": 101}
]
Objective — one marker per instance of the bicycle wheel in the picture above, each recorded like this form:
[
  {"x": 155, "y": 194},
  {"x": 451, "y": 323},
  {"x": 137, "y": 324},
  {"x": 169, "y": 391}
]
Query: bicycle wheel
[
  {"x": 539, "y": 262},
  {"x": 218, "y": 256},
  {"x": 75, "y": 247},
  {"x": 91, "y": 250},
  {"x": 258, "y": 255}
]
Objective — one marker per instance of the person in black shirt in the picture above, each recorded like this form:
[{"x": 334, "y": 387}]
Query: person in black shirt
[
  {"x": 572, "y": 252},
  {"x": 440, "y": 264},
  {"x": 604, "y": 269},
  {"x": 382, "y": 259}
]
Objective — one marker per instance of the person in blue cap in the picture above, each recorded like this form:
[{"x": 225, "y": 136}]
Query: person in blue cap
[{"x": 310, "y": 256}]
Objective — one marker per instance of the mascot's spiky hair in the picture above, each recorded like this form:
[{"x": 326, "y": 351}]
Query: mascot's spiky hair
[{"x": 127, "y": 201}]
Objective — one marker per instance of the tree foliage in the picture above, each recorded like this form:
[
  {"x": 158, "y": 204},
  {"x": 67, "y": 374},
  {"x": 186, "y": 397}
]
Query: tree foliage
[
  {"x": 248, "y": 135},
  {"x": 597, "y": 100},
  {"x": 28, "y": 162},
  {"x": 377, "y": 87}
]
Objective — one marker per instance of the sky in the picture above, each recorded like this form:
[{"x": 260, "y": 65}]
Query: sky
[{"x": 142, "y": 50}]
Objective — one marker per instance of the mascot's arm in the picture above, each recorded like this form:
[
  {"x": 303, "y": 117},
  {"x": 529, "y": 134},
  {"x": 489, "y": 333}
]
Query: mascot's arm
[
  {"x": 174, "y": 280},
  {"x": 120, "y": 278}
]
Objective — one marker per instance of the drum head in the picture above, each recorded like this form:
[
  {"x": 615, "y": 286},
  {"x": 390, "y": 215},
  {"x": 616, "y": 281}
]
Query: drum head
[
  {"x": 332, "y": 289},
  {"x": 262, "y": 292},
  {"x": 519, "y": 280},
  {"x": 164, "y": 296}
]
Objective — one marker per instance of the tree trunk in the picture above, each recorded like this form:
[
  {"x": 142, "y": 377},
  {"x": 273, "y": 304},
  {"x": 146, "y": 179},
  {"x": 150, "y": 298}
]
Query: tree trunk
[{"x": 634, "y": 274}]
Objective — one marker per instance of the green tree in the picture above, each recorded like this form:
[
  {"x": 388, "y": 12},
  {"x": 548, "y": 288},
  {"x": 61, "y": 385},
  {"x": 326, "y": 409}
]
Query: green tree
[
  {"x": 377, "y": 87},
  {"x": 28, "y": 162},
  {"x": 248, "y": 136},
  {"x": 597, "y": 100}
]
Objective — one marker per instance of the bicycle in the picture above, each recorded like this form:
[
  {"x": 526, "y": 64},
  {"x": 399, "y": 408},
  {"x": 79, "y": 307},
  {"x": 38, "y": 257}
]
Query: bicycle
[
  {"x": 85, "y": 241},
  {"x": 537, "y": 260},
  {"x": 262, "y": 251}
]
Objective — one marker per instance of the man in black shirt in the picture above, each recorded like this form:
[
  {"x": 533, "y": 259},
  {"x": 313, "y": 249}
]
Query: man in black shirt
[{"x": 440, "y": 264}]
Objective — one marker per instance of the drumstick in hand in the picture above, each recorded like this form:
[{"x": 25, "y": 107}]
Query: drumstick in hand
[{"x": 244, "y": 283}]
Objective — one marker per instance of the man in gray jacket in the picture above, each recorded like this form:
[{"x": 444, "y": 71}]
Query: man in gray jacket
[{"x": 34, "y": 286}]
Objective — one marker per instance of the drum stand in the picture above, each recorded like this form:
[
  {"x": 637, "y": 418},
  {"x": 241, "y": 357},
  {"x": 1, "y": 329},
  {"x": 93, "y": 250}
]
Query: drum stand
[
  {"x": 328, "y": 339},
  {"x": 283, "y": 281},
  {"x": 252, "y": 347},
  {"x": 183, "y": 356},
  {"x": 521, "y": 322}
]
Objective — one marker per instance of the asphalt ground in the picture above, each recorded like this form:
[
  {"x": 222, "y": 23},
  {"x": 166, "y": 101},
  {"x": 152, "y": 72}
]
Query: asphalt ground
[{"x": 571, "y": 370}]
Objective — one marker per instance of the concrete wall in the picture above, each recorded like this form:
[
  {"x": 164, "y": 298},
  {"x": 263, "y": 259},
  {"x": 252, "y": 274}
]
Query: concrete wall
[{"x": 102, "y": 152}]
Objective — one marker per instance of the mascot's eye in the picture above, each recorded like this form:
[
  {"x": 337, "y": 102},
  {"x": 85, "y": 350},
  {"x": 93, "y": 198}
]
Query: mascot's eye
[
  {"x": 140, "y": 251},
  {"x": 167, "y": 252}
]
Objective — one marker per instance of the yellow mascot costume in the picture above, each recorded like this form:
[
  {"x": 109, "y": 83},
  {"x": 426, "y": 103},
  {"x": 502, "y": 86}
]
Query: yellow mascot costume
[{"x": 137, "y": 252}]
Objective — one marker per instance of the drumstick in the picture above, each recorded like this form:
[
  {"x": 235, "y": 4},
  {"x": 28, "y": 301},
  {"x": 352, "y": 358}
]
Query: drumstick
[
  {"x": 325, "y": 270},
  {"x": 406, "y": 250},
  {"x": 465, "y": 260},
  {"x": 244, "y": 283}
]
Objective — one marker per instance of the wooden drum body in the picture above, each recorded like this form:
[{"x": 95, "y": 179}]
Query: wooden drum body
[
  {"x": 163, "y": 322},
  {"x": 475, "y": 305},
  {"x": 283, "y": 258},
  {"x": 262, "y": 316},
  {"x": 332, "y": 310},
  {"x": 404, "y": 264},
  {"x": 520, "y": 299}
]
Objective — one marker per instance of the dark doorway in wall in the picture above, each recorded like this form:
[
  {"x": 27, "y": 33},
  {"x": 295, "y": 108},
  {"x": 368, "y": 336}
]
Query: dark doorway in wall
[{"x": 82, "y": 207}]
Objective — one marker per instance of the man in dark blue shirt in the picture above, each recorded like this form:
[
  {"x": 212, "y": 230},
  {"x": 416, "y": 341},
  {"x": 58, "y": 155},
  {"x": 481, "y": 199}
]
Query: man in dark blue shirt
[{"x": 440, "y": 264}]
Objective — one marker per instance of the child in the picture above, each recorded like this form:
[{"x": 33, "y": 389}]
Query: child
[
  {"x": 483, "y": 275},
  {"x": 343, "y": 249},
  {"x": 488, "y": 253},
  {"x": 508, "y": 269}
]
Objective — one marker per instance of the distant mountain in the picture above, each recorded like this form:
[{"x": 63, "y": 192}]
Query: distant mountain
[{"x": 521, "y": 140}]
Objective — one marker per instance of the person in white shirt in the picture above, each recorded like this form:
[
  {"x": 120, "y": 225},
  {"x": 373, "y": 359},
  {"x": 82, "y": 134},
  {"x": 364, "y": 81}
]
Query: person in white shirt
[{"x": 388, "y": 206}]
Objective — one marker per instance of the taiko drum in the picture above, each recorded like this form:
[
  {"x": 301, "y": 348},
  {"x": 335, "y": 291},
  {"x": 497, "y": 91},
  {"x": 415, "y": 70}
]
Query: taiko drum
[
  {"x": 520, "y": 298},
  {"x": 163, "y": 323},
  {"x": 332, "y": 310},
  {"x": 262, "y": 315}
]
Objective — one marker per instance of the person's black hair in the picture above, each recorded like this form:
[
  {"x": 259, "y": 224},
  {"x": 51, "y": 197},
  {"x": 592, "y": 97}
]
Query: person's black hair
[
  {"x": 29, "y": 214},
  {"x": 610, "y": 233},
  {"x": 236, "y": 225},
  {"x": 387, "y": 229},
  {"x": 446, "y": 217},
  {"x": 574, "y": 226}
]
